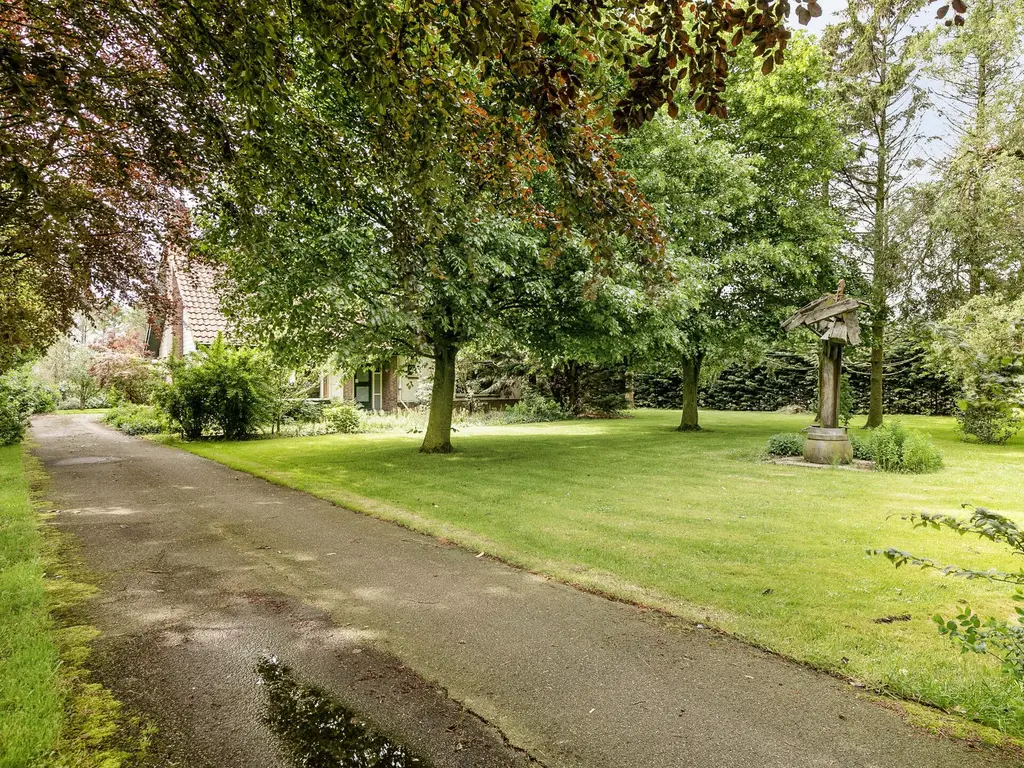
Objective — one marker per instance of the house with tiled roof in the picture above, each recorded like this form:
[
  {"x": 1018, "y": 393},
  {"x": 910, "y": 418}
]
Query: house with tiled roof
[
  {"x": 191, "y": 318},
  {"x": 192, "y": 315}
]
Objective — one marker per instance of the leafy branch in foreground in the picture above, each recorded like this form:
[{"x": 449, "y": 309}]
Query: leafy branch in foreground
[{"x": 996, "y": 637}]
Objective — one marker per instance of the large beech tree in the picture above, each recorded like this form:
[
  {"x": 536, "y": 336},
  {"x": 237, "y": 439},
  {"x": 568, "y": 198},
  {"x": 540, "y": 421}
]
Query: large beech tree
[
  {"x": 347, "y": 246},
  {"x": 749, "y": 226},
  {"x": 92, "y": 138}
]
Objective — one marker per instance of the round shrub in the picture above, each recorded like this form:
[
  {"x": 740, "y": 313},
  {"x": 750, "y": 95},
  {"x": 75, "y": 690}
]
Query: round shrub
[
  {"x": 344, "y": 418},
  {"x": 13, "y": 420},
  {"x": 920, "y": 454},
  {"x": 303, "y": 411},
  {"x": 988, "y": 420},
  {"x": 785, "y": 444},
  {"x": 218, "y": 390},
  {"x": 534, "y": 407},
  {"x": 36, "y": 396},
  {"x": 20, "y": 397}
]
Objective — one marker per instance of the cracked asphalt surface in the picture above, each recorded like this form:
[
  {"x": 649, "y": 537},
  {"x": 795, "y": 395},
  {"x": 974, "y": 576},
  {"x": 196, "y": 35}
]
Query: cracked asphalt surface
[{"x": 465, "y": 660}]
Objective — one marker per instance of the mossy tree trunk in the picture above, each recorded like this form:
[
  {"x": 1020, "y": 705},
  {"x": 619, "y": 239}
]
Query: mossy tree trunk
[
  {"x": 691, "y": 381},
  {"x": 438, "y": 438}
]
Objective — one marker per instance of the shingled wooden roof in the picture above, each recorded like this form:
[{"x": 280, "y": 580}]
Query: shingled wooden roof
[{"x": 832, "y": 317}]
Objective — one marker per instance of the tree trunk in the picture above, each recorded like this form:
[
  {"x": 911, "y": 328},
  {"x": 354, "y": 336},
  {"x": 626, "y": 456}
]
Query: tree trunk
[
  {"x": 975, "y": 248},
  {"x": 438, "y": 438},
  {"x": 877, "y": 357},
  {"x": 691, "y": 379},
  {"x": 566, "y": 386},
  {"x": 880, "y": 269}
]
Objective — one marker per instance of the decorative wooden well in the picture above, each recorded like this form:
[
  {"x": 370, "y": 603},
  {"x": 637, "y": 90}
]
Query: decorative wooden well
[{"x": 833, "y": 318}]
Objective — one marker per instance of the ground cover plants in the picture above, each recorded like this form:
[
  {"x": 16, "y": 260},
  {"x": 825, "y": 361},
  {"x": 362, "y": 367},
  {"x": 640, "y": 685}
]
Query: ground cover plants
[
  {"x": 892, "y": 447},
  {"x": 785, "y": 444},
  {"x": 697, "y": 525},
  {"x": 136, "y": 419}
]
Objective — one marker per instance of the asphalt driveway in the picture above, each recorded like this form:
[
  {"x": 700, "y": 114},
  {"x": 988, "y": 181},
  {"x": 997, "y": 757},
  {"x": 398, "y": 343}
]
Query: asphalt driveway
[{"x": 467, "y": 661}]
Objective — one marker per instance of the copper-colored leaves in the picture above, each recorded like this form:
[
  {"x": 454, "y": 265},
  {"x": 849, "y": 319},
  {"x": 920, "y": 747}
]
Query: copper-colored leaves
[{"x": 959, "y": 9}]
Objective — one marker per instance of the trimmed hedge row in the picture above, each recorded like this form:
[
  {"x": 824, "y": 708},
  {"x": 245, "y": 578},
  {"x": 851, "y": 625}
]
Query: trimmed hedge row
[{"x": 788, "y": 379}]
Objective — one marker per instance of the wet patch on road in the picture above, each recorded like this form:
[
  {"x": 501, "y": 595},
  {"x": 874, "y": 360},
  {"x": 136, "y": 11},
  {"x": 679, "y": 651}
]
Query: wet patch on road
[
  {"x": 316, "y": 731},
  {"x": 76, "y": 460}
]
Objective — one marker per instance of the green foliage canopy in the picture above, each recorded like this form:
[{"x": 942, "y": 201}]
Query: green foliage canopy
[{"x": 749, "y": 226}]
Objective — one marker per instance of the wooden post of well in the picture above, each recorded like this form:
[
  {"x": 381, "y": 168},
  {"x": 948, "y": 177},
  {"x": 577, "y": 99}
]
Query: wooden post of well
[{"x": 831, "y": 370}]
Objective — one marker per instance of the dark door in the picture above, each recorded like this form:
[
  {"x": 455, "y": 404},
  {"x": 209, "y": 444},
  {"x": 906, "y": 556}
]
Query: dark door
[{"x": 364, "y": 389}]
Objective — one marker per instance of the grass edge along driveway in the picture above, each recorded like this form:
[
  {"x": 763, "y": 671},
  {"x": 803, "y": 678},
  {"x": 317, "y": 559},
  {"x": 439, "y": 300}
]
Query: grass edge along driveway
[
  {"x": 697, "y": 525},
  {"x": 31, "y": 703},
  {"x": 51, "y": 713}
]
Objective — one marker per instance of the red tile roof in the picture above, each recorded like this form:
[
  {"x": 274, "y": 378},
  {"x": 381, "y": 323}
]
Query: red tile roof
[{"x": 197, "y": 290}]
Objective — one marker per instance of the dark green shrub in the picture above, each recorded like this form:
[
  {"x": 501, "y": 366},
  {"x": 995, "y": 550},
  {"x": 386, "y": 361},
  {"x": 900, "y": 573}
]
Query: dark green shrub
[
  {"x": 607, "y": 405},
  {"x": 136, "y": 419},
  {"x": 785, "y": 444},
  {"x": 787, "y": 378},
  {"x": 534, "y": 407},
  {"x": 987, "y": 421},
  {"x": 586, "y": 389},
  {"x": 34, "y": 395},
  {"x": 302, "y": 411},
  {"x": 13, "y": 415},
  {"x": 894, "y": 448},
  {"x": 218, "y": 390},
  {"x": 344, "y": 417},
  {"x": 20, "y": 397},
  {"x": 12, "y": 421},
  {"x": 861, "y": 447}
]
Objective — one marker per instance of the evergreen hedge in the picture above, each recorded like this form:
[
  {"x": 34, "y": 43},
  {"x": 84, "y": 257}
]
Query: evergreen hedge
[{"x": 786, "y": 379}]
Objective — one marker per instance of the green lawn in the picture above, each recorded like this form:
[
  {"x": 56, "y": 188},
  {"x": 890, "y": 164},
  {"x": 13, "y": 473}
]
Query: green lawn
[
  {"x": 696, "y": 524},
  {"x": 30, "y": 700}
]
